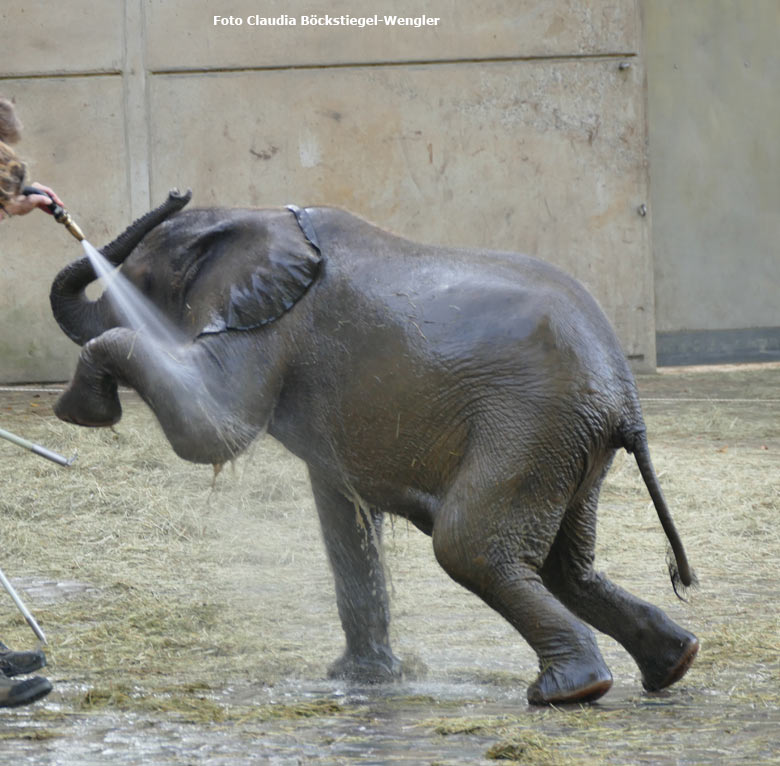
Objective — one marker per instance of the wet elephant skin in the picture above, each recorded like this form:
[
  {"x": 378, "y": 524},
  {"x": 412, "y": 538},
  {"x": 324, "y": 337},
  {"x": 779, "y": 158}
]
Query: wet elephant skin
[{"x": 482, "y": 395}]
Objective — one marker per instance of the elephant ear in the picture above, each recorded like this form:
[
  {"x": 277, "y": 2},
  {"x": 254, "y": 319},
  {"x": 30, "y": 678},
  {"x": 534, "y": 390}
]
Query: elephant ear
[{"x": 260, "y": 264}]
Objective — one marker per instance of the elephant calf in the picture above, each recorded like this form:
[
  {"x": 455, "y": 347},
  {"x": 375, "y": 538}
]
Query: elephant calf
[{"x": 481, "y": 395}]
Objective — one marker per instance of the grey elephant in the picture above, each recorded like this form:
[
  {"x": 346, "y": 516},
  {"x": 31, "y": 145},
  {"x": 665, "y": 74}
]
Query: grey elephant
[{"x": 481, "y": 395}]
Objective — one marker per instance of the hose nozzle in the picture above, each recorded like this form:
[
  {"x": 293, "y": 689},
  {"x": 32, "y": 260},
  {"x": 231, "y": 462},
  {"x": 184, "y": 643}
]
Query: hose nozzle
[
  {"x": 63, "y": 216},
  {"x": 60, "y": 214}
]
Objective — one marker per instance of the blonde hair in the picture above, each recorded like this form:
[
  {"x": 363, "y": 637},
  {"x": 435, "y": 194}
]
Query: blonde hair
[{"x": 12, "y": 169}]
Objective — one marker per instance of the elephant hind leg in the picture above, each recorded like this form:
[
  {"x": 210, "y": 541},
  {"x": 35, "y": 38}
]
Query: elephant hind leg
[
  {"x": 490, "y": 563},
  {"x": 662, "y": 649}
]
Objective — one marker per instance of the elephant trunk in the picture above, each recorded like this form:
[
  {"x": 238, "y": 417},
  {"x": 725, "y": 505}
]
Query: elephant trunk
[
  {"x": 116, "y": 251},
  {"x": 80, "y": 318}
]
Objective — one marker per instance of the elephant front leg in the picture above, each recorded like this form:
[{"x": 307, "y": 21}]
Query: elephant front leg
[
  {"x": 91, "y": 398},
  {"x": 211, "y": 397},
  {"x": 352, "y": 538}
]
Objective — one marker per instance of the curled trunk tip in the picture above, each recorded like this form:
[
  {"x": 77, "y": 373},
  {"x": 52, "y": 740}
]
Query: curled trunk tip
[{"x": 115, "y": 252}]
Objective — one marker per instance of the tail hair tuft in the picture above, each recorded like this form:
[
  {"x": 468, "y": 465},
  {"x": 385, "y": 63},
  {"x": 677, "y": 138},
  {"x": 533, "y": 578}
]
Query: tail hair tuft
[{"x": 681, "y": 590}]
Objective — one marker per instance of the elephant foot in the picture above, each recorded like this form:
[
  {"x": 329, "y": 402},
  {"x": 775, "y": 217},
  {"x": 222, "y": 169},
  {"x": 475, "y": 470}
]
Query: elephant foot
[
  {"x": 561, "y": 685},
  {"x": 375, "y": 668},
  {"x": 672, "y": 665},
  {"x": 84, "y": 407}
]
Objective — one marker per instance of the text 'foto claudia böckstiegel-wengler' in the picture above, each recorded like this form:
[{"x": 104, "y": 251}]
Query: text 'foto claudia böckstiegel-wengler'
[{"x": 315, "y": 20}]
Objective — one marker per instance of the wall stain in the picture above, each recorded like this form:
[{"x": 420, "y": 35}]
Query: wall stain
[{"x": 265, "y": 154}]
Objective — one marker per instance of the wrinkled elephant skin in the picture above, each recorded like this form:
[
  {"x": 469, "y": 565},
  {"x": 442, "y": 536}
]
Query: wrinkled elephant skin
[{"x": 481, "y": 395}]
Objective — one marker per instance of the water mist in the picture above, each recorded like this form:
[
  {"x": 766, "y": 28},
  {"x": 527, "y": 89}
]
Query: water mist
[
  {"x": 136, "y": 310},
  {"x": 170, "y": 347}
]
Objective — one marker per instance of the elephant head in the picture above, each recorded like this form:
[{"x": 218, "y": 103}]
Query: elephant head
[
  {"x": 80, "y": 318},
  {"x": 214, "y": 270},
  {"x": 208, "y": 271}
]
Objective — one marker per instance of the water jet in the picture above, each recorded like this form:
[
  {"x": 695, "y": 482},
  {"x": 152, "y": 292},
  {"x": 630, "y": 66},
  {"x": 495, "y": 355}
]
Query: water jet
[{"x": 136, "y": 310}]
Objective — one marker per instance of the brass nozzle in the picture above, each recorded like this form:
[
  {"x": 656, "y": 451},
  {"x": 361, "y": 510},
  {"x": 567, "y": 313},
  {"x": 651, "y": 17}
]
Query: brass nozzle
[
  {"x": 63, "y": 217},
  {"x": 58, "y": 213}
]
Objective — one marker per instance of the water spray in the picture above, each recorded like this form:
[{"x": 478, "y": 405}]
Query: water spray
[{"x": 60, "y": 214}]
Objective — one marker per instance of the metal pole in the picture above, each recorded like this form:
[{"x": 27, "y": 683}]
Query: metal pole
[
  {"x": 22, "y": 608},
  {"x": 36, "y": 448}
]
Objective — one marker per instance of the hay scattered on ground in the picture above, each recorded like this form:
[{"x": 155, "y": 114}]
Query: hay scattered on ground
[{"x": 167, "y": 599}]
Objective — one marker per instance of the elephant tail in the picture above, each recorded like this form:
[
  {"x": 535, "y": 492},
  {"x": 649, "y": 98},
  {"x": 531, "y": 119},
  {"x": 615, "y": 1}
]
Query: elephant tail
[{"x": 634, "y": 440}]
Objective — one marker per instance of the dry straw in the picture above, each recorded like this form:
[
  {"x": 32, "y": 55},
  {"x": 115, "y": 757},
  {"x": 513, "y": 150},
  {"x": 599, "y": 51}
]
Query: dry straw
[{"x": 167, "y": 598}]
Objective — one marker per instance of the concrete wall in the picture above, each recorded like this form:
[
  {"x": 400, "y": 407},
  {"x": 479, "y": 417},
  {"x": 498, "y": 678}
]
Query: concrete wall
[
  {"x": 507, "y": 124},
  {"x": 714, "y": 120}
]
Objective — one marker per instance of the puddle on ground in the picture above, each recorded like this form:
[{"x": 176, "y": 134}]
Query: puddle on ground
[{"x": 435, "y": 722}]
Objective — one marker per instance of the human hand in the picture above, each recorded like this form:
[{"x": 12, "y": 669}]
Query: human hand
[{"x": 25, "y": 203}]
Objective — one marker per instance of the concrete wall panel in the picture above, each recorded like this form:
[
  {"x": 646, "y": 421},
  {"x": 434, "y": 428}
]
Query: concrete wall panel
[
  {"x": 713, "y": 69},
  {"x": 509, "y": 125},
  {"x": 182, "y": 33},
  {"x": 546, "y": 158},
  {"x": 74, "y": 143},
  {"x": 40, "y": 36}
]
